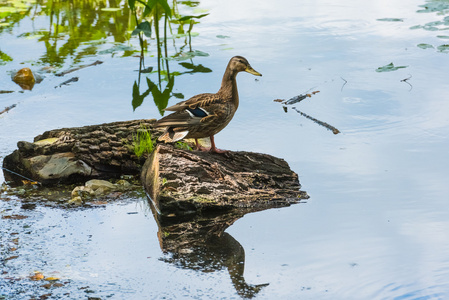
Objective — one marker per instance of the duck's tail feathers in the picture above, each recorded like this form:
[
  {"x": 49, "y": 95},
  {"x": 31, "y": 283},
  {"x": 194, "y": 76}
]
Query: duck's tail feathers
[{"x": 170, "y": 135}]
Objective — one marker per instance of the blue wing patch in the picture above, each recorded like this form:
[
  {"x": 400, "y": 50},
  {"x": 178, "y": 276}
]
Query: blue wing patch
[{"x": 198, "y": 112}]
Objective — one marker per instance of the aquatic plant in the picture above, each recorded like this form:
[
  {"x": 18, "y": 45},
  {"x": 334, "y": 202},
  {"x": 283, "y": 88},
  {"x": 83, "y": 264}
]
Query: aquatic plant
[{"x": 142, "y": 142}]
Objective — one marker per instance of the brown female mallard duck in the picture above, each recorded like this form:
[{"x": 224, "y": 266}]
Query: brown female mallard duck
[{"x": 205, "y": 115}]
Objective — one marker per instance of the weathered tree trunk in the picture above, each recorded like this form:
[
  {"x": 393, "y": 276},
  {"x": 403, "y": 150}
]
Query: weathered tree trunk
[
  {"x": 187, "y": 183},
  {"x": 74, "y": 155},
  {"x": 181, "y": 183}
]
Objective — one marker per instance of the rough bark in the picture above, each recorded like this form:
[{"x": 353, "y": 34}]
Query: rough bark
[
  {"x": 75, "y": 155},
  {"x": 184, "y": 183}
]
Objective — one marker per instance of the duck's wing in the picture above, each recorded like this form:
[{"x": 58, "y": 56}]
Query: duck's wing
[
  {"x": 181, "y": 118},
  {"x": 198, "y": 101},
  {"x": 197, "y": 113}
]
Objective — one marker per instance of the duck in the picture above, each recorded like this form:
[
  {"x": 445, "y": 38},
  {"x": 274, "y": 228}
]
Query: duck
[{"x": 205, "y": 115}]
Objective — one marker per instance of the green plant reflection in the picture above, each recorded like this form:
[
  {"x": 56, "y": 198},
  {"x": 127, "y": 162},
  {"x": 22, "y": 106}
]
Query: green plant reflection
[
  {"x": 158, "y": 17},
  {"x": 75, "y": 30}
]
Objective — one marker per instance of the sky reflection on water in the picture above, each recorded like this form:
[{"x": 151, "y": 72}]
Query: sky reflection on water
[{"x": 377, "y": 222}]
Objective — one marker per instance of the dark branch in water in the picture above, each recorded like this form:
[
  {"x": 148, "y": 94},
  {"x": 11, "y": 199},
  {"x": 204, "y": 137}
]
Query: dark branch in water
[
  {"x": 98, "y": 62},
  {"x": 299, "y": 98},
  {"x": 324, "y": 124},
  {"x": 17, "y": 174},
  {"x": 6, "y": 92},
  {"x": 343, "y": 83},
  {"x": 73, "y": 79},
  {"x": 8, "y": 108},
  {"x": 406, "y": 81}
]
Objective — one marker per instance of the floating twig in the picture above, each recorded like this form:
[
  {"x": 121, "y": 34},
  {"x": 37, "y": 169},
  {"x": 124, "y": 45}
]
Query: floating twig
[
  {"x": 406, "y": 81},
  {"x": 6, "y": 92},
  {"x": 343, "y": 83},
  {"x": 8, "y": 108},
  {"x": 26, "y": 178},
  {"x": 324, "y": 124},
  {"x": 98, "y": 62},
  {"x": 73, "y": 79}
]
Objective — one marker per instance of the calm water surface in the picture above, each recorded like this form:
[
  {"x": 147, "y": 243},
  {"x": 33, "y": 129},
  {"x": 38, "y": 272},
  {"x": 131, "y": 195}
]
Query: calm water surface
[{"x": 377, "y": 223}]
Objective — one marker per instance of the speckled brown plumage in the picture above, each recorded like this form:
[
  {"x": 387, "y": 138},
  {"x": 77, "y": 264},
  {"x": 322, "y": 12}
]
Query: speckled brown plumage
[{"x": 205, "y": 115}]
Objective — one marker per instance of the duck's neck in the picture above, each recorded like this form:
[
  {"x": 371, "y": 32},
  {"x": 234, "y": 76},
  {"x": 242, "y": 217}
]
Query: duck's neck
[{"x": 228, "y": 89}]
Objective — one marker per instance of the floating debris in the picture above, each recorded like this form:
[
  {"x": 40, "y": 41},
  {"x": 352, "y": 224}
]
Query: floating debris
[
  {"x": 406, "y": 81},
  {"x": 390, "y": 67},
  {"x": 98, "y": 62},
  {"x": 324, "y": 124},
  {"x": 73, "y": 79},
  {"x": 299, "y": 98},
  {"x": 8, "y": 108}
]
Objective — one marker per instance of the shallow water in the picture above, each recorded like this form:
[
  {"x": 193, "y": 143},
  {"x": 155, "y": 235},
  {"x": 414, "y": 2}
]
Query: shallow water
[{"x": 376, "y": 224}]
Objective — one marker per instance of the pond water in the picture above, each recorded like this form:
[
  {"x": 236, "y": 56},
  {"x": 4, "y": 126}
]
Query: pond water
[{"x": 377, "y": 222}]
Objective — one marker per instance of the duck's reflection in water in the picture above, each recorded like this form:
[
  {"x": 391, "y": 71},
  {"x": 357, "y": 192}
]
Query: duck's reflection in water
[{"x": 202, "y": 245}]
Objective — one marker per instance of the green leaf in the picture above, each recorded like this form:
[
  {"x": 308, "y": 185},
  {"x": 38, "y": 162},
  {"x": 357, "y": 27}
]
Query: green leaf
[
  {"x": 430, "y": 28},
  {"x": 390, "y": 67},
  {"x": 165, "y": 6},
  {"x": 144, "y": 27},
  {"x": 185, "y": 18},
  {"x": 443, "y": 48},
  {"x": 147, "y": 70},
  {"x": 189, "y": 55},
  {"x": 391, "y": 20},
  {"x": 161, "y": 98},
  {"x": 5, "y": 57},
  {"x": 425, "y": 46},
  {"x": 137, "y": 97},
  {"x": 178, "y": 95},
  {"x": 437, "y": 6},
  {"x": 149, "y": 6},
  {"x": 415, "y": 27},
  {"x": 195, "y": 69},
  {"x": 131, "y": 4}
]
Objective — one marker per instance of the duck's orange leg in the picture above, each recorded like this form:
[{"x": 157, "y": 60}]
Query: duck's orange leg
[{"x": 213, "y": 148}]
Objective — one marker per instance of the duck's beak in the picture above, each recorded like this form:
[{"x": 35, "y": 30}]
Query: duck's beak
[{"x": 250, "y": 70}]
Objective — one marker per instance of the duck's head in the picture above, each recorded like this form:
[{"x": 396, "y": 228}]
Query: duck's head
[{"x": 240, "y": 64}]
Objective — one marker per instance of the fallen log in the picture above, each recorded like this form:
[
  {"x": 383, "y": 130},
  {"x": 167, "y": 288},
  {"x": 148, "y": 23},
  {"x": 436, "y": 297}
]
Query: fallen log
[
  {"x": 180, "y": 183},
  {"x": 184, "y": 183},
  {"x": 78, "y": 154}
]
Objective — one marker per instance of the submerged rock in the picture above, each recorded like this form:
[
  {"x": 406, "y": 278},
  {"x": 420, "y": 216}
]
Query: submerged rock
[
  {"x": 97, "y": 188},
  {"x": 24, "y": 78}
]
